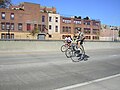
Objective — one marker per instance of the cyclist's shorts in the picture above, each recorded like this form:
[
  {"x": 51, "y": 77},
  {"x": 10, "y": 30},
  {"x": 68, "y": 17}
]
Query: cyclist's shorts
[{"x": 81, "y": 41}]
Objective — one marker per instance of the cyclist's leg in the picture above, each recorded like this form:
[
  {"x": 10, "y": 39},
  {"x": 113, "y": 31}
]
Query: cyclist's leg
[
  {"x": 78, "y": 44},
  {"x": 82, "y": 53}
]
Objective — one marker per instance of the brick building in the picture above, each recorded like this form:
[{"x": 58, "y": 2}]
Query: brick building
[
  {"x": 109, "y": 33},
  {"x": 70, "y": 25},
  {"x": 19, "y": 22}
]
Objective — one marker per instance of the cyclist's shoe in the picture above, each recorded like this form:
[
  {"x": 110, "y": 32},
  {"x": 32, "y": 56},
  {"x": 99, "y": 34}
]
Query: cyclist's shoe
[
  {"x": 79, "y": 55},
  {"x": 82, "y": 57},
  {"x": 86, "y": 57}
]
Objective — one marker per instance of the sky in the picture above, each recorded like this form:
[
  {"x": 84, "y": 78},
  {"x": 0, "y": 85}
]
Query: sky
[{"x": 107, "y": 11}]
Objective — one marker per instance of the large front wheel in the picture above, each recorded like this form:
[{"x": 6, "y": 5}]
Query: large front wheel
[
  {"x": 82, "y": 53},
  {"x": 75, "y": 56}
]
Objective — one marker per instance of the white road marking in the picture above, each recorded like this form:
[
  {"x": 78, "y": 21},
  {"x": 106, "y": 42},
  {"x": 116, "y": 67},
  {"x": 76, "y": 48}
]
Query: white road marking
[
  {"x": 114, "y": 55},
  {"x": 87, "y": 83}
]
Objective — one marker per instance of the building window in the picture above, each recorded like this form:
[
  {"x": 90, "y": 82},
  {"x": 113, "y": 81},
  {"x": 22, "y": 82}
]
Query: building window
[
  {"x": 66, "y": 21},
  {"x": 39, "y": 27},
  {"x": 35, "y": 26},
  {"x": 8, "y": 26},
  {"x": 3, "y": 15},
  {"x": 87, "y": 23},
  {"x": 20, "y": 26},
  {"x": 43, "y": 18},
  {"x": 95, "y": 37},
  {"x": 3, "y": 26},
  {"x": 12, "y": 16},
  {"x": 56, "y": 28},
  {"x": 43, "y": 28},
  {"x": 69, "y": 29},
  {"x": 28, "y": 27},
  {"x": 63, "y": 30},
  {"x": 12, "y": 36},
  {"x": 2, "y": 36},
  {"x": 95, "y": 31},
  {"x": 77, "y": 22},
  {"x": 66, "y": 29},
  {"x": 87, "y": 30},
  {"x": 50, "y": 27},
  {"x": 7, "y": 36},
  {"x": 50, "y": 19},
  {"x": 87, "y": 37},
  {"x": 56, "y": 19},
  {"x": 96, "y": 23},
  {"x": 12, "y": 26}
]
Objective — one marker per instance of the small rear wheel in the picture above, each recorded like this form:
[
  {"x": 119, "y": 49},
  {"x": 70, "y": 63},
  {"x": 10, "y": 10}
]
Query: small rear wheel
[{"x": 64, "y": 48}]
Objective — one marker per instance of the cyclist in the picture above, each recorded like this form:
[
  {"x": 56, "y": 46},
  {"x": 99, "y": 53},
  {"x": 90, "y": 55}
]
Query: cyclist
[
  {"x": 80, "y": 38},
  {"x": 68, "y": 40}
]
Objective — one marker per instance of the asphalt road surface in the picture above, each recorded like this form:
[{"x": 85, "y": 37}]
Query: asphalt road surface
[{"x": 52, "y": 70}]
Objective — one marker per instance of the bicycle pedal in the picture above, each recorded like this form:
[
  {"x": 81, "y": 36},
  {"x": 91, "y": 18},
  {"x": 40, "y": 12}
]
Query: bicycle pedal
[{"x": 80, "y": 59}]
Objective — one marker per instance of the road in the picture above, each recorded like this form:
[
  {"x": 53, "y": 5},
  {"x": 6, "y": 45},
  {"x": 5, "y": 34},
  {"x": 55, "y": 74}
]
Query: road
[{"x": 52, "y": 70}]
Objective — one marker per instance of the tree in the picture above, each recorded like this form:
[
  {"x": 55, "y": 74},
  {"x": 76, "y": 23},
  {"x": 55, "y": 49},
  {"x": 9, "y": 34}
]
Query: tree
[
  {"x": 87, "y": 18},
  {"x": 5, "y": 3},
  {"x": 75, "y": 16},
  {"x": 79, "y": 17},
  {"x": 34, "y": 32}
]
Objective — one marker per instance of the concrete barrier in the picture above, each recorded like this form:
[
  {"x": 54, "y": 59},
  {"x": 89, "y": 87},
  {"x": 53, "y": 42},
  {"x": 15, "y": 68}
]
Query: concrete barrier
[{"x": 50, "y": 45}]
